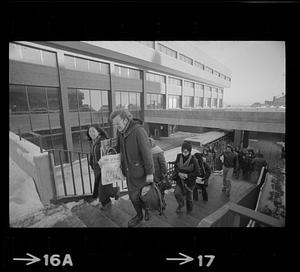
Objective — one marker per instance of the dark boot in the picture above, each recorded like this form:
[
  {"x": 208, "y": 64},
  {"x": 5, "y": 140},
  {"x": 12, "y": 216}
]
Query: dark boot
[
  {"x": 147, "y": 215},
  {"x": 133, "y": 222},
  {"x": 189, "y": 206},
  {"x": 204, "y": 194},
  {"x": 117, "y": 193},
  {"x": 179, "y": 209}
]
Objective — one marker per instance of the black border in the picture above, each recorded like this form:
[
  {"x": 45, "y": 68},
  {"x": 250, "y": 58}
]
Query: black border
[{"x": 140, "y": 249}]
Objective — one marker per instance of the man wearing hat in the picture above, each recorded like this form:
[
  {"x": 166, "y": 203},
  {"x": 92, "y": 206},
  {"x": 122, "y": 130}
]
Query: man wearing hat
[
  {"x": 186, "y": 171},
  {"x": 229, "y": 164}
]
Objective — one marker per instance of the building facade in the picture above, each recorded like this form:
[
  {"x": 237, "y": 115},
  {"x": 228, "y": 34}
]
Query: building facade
[{"x": 58, "y": 89}]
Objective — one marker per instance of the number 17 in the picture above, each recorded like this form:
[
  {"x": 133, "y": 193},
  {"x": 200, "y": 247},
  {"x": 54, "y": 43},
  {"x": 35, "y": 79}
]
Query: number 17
[{"x": 211, "y": 258}]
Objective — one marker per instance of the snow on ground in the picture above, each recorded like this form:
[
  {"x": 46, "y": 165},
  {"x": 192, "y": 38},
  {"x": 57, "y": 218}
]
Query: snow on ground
[{"x": 23, "y": 197}]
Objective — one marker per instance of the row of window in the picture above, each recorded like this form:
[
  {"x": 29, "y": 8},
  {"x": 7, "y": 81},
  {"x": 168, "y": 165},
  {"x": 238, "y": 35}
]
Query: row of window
[
  {"x": 85, "y": 65},
  {"x": 128, "y": 100},
  {"x": 87, "y": 100},
  {"x": 127, "y": 72},
  {"x": 31, "y": 55},
  {"x": 31, "y": 99},
  {"x": 170, "y": 52}
]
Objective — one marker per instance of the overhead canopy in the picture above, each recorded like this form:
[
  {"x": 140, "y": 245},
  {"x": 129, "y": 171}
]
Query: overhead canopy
[{"x": 206, "y": 138}]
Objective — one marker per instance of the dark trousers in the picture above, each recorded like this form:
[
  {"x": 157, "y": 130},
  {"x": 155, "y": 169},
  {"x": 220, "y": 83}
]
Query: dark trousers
[
  {"x": 138, "y": 205},
  {"x": 104, "y": 192},
  {"x": 183, "y": 195},
  {"x": 201, "y": 187}
]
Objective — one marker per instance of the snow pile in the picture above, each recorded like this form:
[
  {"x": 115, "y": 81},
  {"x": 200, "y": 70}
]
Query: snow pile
[{"x": 23, "y": 197}]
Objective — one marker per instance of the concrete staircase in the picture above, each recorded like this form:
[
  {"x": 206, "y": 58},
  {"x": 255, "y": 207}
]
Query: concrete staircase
[{"x": 81, "y": 214}]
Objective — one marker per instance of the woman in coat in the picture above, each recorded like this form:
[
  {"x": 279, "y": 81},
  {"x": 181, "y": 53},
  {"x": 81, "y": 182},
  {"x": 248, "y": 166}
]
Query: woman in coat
[
  {"x": 101, "y": 192},
  {"x": 186, "y": 171},
  {"x": 160, "y": 165},
  {"x": 202, "y": 180}
]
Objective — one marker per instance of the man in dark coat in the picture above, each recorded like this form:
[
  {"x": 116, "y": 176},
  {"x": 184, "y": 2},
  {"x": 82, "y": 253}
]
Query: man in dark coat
[
  {"x": 186, "y": 171},
  {"x": 136, "y": 158},
  {"x": 202, "y": 180},
  {"x": 230, "y": 163}
]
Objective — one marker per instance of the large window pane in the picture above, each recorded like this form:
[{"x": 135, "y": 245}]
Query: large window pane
[
  {"x": 132, "y": 101},
  {"x": 49, "y": 58},
  {"x": 104, "y": 68},
  {"x": 96, "y": 118},
  {"x": 94, "y": 66},
  {"x": 19, "y": 121},
  {"x": 104, "y": 101},
  {"x": 53, "y": 101},
  {"x": 81, "y": 64},
  {"x": 31, "y": 55},
  {"x": 40, "y": 121},
  {"x": 118, "y": 99},
  {"x": 138, "y": 101},
  {"x": 55, "y": 120},
  {"x": 96, "y": 100},
  {"x": 17, "y": 99},
  {"x": 72, "y": 99},
  {"x": 84, "y": 102},
  {"x": 15, "y": 51},
  {"x": 148, "y": 101},
  {"x": 124, "y": 99},
  {"x": 37, "y": 99},
  {"x": 70, "y": 62}
]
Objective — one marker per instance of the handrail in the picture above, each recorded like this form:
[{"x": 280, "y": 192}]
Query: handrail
[
  {"x": 256, "y": 216},
  {"x": 237, "y": 211}
]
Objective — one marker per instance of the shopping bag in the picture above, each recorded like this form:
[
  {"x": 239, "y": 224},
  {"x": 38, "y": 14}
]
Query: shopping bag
[{"x": 111, "y": 172}]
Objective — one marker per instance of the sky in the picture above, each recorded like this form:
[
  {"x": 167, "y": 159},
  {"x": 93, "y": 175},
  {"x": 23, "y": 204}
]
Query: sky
[{"x": 258, "y": 69}]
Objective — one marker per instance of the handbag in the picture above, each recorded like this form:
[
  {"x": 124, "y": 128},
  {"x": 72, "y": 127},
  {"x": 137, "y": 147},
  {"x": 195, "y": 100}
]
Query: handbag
[{"x": 164, "y": 184}]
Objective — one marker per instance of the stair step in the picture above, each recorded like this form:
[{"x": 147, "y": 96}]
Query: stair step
[
  {"x": 177, "y": 220},
  {"x": 117, "y": 215},
  {"x": 127, "y": 207},
  {"x": 93, "y": 217},
  {"x": 70, "y": 222}
]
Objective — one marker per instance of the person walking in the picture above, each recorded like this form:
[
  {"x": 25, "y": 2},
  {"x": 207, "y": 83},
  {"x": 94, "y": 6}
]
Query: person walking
[
  {"x": 186, "y": 170},
  {"x": 101, "y": 192},
  {"x": 160, "y": 168},
  {"x": 136, "y": 159},
  {"x": 202, "y": 180},
  {"x": 229, "y": 164}
]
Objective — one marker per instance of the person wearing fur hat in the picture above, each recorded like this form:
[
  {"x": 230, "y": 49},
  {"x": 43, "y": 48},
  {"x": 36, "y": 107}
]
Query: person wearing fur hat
[
  {"x": 229, "y": 164},
  {"x": 186, "y": 171}
]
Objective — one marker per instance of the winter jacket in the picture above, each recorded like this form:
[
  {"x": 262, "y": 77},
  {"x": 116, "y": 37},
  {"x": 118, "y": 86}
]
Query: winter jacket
[
  {"x": 95, "y": 154},
  {"x": 230, "y": 159},
  {"x": 192, "y": 174},
  {"x": 160, "y": 164},
  {"x": 258, "y": 164},
  {"x": 136, "y": 155}
]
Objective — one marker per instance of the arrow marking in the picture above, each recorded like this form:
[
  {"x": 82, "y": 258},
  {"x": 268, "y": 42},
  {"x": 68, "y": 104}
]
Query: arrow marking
[
  {"x": 185, "y": 260},
  {"x": 32, "y": 260}
]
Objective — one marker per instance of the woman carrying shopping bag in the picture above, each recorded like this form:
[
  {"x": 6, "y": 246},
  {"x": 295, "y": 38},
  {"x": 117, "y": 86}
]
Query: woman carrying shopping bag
[{"x": 101, "y": 193}]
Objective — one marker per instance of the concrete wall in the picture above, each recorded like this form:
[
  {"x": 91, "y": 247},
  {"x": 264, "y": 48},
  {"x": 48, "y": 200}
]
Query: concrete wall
[
  {"x": 36, "y": 165},
  {"x": 215, "y": 118}
]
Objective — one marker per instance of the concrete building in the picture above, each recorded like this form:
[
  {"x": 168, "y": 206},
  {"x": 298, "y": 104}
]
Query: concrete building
[{"x": 57, "y": 89}]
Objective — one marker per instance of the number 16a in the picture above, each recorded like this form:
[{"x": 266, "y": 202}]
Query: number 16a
[{"x": 211, "y": 258}]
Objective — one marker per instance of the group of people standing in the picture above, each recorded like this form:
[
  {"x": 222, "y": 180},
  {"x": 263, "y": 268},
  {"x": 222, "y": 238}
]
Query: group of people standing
[{"x": 143, "y": 163}]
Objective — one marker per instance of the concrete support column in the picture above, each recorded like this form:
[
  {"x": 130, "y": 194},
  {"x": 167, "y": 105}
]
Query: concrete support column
[
  {"x": 167, "y": 94},
  {"x": 112, "y": 98},
  {"x": 63, "y": 96},
  {"x": 238, "y": 137},
  {"x": 143, "y": 96},
  {"x": 245, "y": 138}
]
